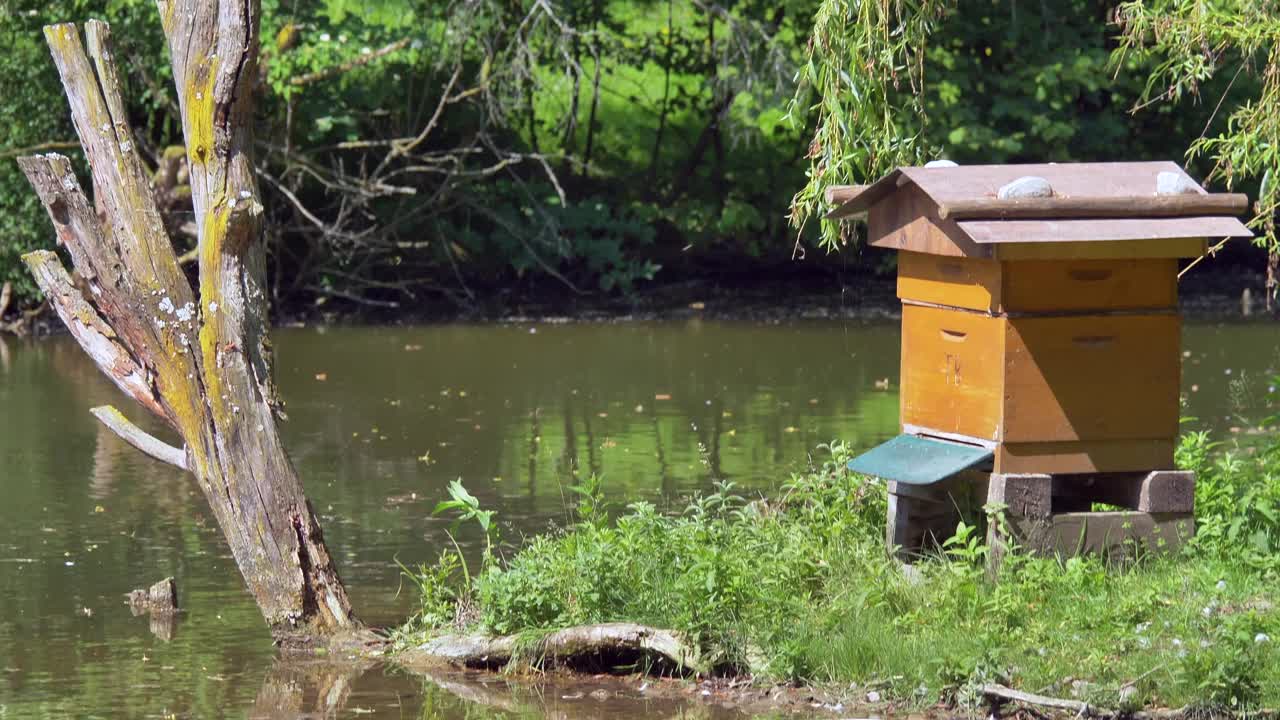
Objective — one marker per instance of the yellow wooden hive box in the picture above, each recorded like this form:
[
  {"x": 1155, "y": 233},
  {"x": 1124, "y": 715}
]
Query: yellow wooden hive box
[{"x": 1039, "y": 305}]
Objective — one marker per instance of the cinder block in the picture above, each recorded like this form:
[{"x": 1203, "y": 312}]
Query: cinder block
[
  {"x": 915, "y": 526},
  {"x": 1167, "y": 491},
  {"x": 921, "y": 517},
  {"x": 1114, "y": 535},
  {"x": 1161, "y": 491},
  {"x": 1029, "y": 496}
]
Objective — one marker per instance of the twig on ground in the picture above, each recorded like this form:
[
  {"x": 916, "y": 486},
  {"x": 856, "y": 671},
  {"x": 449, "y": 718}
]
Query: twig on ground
[{"x": 1081, "y": 709}]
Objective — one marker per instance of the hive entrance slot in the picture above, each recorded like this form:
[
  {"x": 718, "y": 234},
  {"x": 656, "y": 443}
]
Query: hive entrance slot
[{"x": 1089, "y": 275}]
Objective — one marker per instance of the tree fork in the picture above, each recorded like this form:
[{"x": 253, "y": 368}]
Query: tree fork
[{"x": 201, "y": 363}]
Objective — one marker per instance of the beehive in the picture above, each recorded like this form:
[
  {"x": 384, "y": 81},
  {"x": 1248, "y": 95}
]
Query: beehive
[{"x": 1040, "y": 317}]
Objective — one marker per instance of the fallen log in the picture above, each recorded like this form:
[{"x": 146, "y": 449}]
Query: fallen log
[{"x": 594, "y": 647}]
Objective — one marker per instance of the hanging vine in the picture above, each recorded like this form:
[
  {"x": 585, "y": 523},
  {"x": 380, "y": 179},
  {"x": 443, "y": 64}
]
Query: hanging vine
[
  {"x": 864, "y": 77},
  {"x": 1194, "y": 41}
]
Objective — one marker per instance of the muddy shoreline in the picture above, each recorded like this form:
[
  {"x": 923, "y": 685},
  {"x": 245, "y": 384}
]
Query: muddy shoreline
[
  {"x": 1218, "y": 296},
  {"x": 560, "y": 692},
  {"x": 786, "y": 298}
]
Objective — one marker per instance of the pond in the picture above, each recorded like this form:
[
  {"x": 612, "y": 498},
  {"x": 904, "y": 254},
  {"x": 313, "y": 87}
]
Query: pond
[{"x": 382, "y": 419}]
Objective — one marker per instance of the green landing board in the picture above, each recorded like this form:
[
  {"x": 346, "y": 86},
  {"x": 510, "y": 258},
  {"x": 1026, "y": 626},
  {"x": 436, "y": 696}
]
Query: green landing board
[{"x": 915, "y": 460}]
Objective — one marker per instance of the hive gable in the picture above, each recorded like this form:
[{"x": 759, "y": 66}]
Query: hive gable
[{"x": 908, "y": 209}]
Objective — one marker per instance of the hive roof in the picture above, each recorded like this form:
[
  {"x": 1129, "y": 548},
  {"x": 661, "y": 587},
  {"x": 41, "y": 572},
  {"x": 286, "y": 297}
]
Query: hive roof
[{"x": 1122, "y": 194}]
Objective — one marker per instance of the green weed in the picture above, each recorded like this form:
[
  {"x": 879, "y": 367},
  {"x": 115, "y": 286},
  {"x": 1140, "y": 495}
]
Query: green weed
[{"x": 797, "y": 586}]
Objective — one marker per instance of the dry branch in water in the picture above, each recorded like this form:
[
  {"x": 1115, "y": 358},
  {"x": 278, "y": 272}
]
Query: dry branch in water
[
  {"x": 160, "y": 598},
  {"x": 201, "y": 362}
]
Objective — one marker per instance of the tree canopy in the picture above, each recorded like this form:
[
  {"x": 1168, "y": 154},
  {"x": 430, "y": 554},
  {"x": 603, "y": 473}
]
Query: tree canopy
[{"x": 417, "y": 152}]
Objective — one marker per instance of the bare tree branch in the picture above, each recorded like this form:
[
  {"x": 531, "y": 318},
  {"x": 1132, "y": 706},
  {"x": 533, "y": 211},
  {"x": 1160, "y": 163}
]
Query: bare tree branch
[
  {"x": 350, "y": 65},
  {"x": 137, "y": 437}
]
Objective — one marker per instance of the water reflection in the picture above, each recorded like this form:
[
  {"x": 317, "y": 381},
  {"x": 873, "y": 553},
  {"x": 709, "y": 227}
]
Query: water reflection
[
  {"x": 658, "y": 411},
  {"x": 306, "y": 689},
  {"x": 310, "y": 690}
]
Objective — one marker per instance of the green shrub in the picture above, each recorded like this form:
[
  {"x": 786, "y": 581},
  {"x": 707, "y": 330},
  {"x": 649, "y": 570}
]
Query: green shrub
[{"x": 798, "y": 587}]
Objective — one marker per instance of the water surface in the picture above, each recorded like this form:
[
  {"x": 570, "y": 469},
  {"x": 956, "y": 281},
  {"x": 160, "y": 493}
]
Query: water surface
[{"x": 381, "y": 421}]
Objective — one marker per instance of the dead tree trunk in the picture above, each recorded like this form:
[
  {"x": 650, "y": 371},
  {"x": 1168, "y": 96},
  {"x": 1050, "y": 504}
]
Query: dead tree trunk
[{"x": 201, "y": 361}]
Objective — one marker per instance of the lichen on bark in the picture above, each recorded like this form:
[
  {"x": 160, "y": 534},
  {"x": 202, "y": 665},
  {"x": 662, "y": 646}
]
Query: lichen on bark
[{"x": 199, "y": 362}]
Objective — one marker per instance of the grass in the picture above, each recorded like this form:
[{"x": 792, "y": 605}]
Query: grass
[{"x": 798, "y": 587}]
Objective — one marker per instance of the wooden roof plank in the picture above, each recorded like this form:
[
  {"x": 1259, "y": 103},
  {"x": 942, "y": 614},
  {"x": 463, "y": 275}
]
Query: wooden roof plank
[
  {"x": 987, "y": 232},
  {"x": 1092, "y": 202},
  {"x": 1099, "y": 206},
  {"x": 947, "y": 185},
  {"x": 841, "y": 194},
  {"x": 870, "y": 195}
]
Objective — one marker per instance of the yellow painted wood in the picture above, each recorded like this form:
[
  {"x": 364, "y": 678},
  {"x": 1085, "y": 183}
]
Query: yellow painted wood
[
  {"x": 972, "y": 283},
  {"x": 1091, "y": 377},
  {"x": 1047, "y": 286},
  {"x": 952, "y": 370},
  {"x": 1091, "y": 456},
  {"x": 1045, "y": 379},
  {"x": 1102, "y": 250},
  {"x": 1071, "y": 285}
]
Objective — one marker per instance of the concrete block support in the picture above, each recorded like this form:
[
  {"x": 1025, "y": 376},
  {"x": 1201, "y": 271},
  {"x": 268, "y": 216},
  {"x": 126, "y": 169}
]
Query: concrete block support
[
  {"x": 1052, "y": 515},
  {"x": 1160, "y": 491},
  {"x": 1117, "y": 536},
  {"x": 921, "y": 517},
  {"x": 1022, "y": 495}
]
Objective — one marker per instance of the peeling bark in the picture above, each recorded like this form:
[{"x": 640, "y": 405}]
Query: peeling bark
[{"x": 199, "y": 361}]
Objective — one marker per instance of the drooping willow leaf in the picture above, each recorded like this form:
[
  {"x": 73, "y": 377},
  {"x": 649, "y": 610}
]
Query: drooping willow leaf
[{"x": 864, "y": 79}]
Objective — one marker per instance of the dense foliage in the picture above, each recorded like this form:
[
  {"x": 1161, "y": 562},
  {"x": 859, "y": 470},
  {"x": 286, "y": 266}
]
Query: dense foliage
[
  {"x": 897, "y": 83},
  {"x": 1196, "y": 43},
  {"x": 799, "y": 587},
  {"x": 417, "y": 151}
]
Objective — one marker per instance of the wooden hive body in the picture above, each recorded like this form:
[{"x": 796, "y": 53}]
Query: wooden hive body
[{"x": 1053, "y": 340}]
